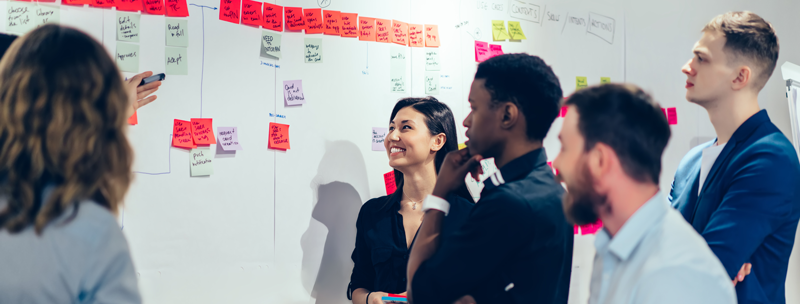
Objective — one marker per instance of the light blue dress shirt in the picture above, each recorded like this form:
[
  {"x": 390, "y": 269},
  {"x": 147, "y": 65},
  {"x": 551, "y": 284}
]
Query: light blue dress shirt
[
  {"x": 657, "y": 257},
  {"x": 84, "y": 259}
]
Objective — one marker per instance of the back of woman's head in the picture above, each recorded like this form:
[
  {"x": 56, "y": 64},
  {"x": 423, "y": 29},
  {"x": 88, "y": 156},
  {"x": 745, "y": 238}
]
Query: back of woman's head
[
  {"x": 439, "y": 119},
  {"x": 63, "y": 112}
]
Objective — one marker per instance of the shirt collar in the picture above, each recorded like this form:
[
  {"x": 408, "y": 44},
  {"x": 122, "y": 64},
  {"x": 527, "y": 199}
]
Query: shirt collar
[
  {"x": 635, "y": 228},
  {"x": 750, "y": 125},
  {"x": 517, "y": 169}
]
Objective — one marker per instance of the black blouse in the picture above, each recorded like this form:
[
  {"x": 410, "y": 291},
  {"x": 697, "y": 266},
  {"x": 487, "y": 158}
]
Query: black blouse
[{"x": 381, "y": 254}]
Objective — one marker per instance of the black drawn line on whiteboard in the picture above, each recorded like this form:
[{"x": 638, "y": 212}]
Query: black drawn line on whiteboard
[
  {"x": 565, "y": 23},
  {"x": 588, "y": 24},
  {"x": 541, "y": 19},
  {"x": 169, "y": 155},
  {"x": 203, "y": 60}
]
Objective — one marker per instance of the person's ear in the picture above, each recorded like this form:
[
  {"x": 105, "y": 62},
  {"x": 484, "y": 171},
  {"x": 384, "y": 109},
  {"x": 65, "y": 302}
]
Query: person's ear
[
  {"x": 437, "y": 142},
  {"x": 743, "y": 78},
  {"x": 510, "y": 113}
]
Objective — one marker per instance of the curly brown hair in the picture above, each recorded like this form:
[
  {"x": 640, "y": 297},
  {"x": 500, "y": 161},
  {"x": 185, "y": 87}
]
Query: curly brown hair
[{"x": 63, "y": 119}]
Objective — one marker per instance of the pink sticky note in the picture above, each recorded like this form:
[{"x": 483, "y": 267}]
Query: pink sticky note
[
  {"x": 388, "y": 180},
  {"x": 176, "y": 8},
  {"x": 415, "y": 37},
  {"x": 295, "y": 20},
  {"x": 229, "y": 138},
  {"x": 203, "y": 131},
  {"x": 313, "y": 20},
  {"x": 481, "y": 51},
  {"x": 495, "y": 49},
  {"x": 182, "y": 134},
  {"x": 378, "y": 136},
  {"x": 563, "y": 112},
  {"x": 251, "y": 12},
  {"x": 293, "y": 92},
  {"x": 672, "y": 116},
  {"x": 278, "y": 136},
  {"x": 576, "y": 229},
  {"x": 134, "y": 119},
  {"x": 229, "y": 10}
]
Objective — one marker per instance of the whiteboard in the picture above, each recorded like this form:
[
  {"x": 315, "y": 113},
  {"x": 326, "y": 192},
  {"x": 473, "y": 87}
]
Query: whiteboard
[{"x": 275, "y": 226}]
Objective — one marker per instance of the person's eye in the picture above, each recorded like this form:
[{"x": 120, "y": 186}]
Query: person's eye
[
  {"x": 406, "y": 127},
  {"x": 391, "y": 129},
  {"x": 700, "y": 59}
]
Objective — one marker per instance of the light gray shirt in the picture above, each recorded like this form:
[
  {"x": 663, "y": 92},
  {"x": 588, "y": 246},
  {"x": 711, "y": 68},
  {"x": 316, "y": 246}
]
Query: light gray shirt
[
  {"x": 82, "y": 260},
  {"x": 657, "y": 257}
]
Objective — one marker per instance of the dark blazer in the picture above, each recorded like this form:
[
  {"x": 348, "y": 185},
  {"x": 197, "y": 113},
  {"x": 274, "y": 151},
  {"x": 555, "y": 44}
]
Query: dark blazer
[
  {"x": 515, "y": 246},
  {"x": 749, "y": 206}
]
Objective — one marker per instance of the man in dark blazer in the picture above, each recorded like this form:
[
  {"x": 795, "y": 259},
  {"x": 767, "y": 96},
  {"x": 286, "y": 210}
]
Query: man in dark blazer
[{"x": 741, "y": 192}]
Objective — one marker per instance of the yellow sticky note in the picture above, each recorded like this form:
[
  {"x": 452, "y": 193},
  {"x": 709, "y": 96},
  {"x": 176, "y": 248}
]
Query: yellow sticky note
[
  {"x": 515, "y": 30},
  {"x": 580, "y": 82},
  {"x": 462, "y": 146},
  {"x": 499, "y": 31},
  {"x": 604, "y": 80}
]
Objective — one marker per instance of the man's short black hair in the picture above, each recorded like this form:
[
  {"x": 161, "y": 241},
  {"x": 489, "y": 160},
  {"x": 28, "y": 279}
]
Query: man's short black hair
[
  {"x": 629, "y": 121},
  {"x": 5, "y": 43},
  {"x": 529, "y": 83}
]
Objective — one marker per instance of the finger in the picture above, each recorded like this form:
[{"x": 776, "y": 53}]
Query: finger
[
  {"x": 735, "y": 281},
  {"x": 747, "y": 268},
  {"x": 146, "y": 101},
  {"x": 149, "y": 86},
  {"x": 136, "y": 79},
  {"x": 144, "y": 94}
]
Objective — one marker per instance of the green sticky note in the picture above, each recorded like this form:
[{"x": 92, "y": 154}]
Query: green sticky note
[
  {"x": 127, "y": 26},
  {"x": 313, "y": 50},
  {"x": 47, "y": 14},
  {"x": 604, "y": 80},
  {"x": 432, "y": 83},
  {"x": 177, "y": 61},
  {"x": 200, "y": 162},
  {"x": 499, "y": 31},
  {"x": 515, "y": 30},
  {"x": 127, "y": 57},
  {"x": 580, "y": 82},
  {"x": 270, "y": 44},
  {"x": 20, "y": 17},
  {"x": 177, "y": 32}
]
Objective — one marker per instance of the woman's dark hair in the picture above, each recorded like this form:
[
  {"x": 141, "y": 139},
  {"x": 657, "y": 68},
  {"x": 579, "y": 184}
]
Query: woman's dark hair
[{"x": 439, "y": 119}]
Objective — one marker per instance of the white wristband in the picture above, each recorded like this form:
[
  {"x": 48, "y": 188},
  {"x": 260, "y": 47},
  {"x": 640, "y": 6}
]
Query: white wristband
[{"x": 437, "y": 203}]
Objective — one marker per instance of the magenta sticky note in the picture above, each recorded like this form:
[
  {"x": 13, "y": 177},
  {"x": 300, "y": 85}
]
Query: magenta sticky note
[
  {"x": 481, "y": 51},
  {"x": 293, "y": 92},
  {"x": 378, "y": 136},
  {"x": 576, "y": 229},
  {"x": 495, "y": 49},
  {"x": 229, "y": 138},
  {"x": 672, "y": 116}
]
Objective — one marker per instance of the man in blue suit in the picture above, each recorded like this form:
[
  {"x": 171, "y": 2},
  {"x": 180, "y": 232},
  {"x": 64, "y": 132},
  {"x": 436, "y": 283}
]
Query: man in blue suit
[{"x": 741, "y": 192}]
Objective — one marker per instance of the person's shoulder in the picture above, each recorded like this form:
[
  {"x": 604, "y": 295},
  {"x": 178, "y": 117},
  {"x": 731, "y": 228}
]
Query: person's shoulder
[
  {"x": 678, "y": 245},
  {"x": 372, "y": 207},
  {"x": 91, "y": 224},
  {"x": 694, "y": 155}
]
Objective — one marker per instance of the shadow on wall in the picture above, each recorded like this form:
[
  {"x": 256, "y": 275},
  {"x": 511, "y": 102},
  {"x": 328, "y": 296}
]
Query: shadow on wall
[{"x": 340, "y": 188}]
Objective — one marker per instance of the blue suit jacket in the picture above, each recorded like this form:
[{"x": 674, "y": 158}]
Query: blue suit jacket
[{"x": 749, "y": 206}]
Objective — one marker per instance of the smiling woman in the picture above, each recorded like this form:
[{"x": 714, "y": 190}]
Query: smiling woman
[{"x": 421, "y": 132}]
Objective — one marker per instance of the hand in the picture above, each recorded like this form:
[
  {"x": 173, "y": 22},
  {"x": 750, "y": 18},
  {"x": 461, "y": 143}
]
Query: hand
[
  {"x": 376, "y": 297},
  {"x": 465, "y": 300},
  {"x": 454, "y": 169},
  {"x": 137, "y": 95},
  {"x": 744, "y": 271}
]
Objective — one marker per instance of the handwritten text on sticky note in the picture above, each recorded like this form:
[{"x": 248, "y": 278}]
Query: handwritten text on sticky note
[
  {"x": 182, "y": 134},
  {"x": 203, "y": 131},
  {"x": 432, "y": 35},
  {"x": 313, "y": 48},
  {"x": 201, "y": 162},
  {"x": 278, "y": 136},
  {"x": 293, "y": 92},
  {"x": 378, "y": 137},
  {"x": 229, "y": 138},
  {"x": 482, "y": 51},
  {"x": 389, "y": 182}
]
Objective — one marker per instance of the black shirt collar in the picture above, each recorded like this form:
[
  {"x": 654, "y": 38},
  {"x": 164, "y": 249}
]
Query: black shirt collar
[{"x": 517, "y": 169}]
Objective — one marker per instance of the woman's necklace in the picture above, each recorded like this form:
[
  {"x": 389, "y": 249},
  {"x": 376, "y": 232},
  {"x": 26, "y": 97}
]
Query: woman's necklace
[{"x": 414, "y": 207}]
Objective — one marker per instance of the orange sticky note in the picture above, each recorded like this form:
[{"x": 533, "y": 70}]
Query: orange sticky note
[
  {"x": 272, "y": 18},
  {"x": 332, "y": 20},
  {"x": 251, "y": 12},
  {"x": 76, "y": 2},
  {"x": 349, "y": 25},
  {"x": 176, "y": 8},
  {"x": 399, "y": 32},
  {"x": 132, "y": 5},
  {"x": 182, "y": 134},
  {"x": 366, "y": 29},
  {"x": 203, "y": 131},
  {"x": 313, "y": 21},
  {"x": 382, "y": 29},
  {"x": 278, "y": 136},
  {"x": 415, "y": 38},
  {"x": 134, "y": 119},
  {"x": 154, "y": 7},
  {"x": 229, "y": 10},
  {"x": 389, "y": 182},
  {"x": 294, "y": 18},
  {"x": 103, "y": 3},
  {"x": 432, "y": 35}
]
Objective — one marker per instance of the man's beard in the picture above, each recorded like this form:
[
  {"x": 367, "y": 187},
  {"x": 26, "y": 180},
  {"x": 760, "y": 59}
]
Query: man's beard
[{"x": 581, "y": 202}]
